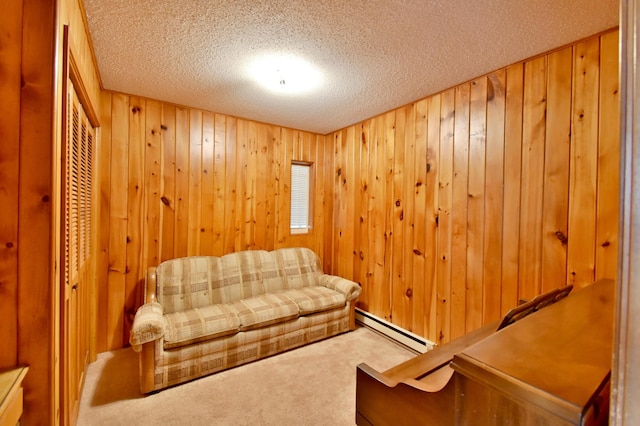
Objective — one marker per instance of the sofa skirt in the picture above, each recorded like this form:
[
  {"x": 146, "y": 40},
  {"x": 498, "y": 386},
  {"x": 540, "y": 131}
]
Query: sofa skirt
[{"x": 179, "y": 365}]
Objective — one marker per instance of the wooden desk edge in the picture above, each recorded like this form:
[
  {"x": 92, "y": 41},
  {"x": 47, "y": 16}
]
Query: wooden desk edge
[
  {"x": 11, "y": 405},
  {"x": 509, "y": 386},
  {"x": 423, "y": 364}
]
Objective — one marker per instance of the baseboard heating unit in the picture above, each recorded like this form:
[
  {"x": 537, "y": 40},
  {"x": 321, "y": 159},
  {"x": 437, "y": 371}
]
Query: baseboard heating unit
[{"x": 399, "y": 334}]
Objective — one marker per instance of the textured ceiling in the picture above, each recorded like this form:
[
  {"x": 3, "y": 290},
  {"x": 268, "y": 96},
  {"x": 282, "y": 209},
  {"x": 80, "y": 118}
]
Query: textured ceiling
[{"x": 373, "y": 55}]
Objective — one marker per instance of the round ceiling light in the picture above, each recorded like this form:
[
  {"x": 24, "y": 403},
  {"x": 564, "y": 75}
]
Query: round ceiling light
[{"x": 285, "y": 74}]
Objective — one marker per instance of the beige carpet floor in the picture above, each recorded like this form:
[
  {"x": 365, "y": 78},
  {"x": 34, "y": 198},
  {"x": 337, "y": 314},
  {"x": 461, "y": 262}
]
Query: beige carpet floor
[{"x": 311, "y": 385}]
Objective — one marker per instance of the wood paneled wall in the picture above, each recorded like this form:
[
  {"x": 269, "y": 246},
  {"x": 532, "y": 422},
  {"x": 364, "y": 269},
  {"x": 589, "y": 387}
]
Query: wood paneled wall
[
  {"x": 27, "y": 196},
  {"x": 452, "y": 209},
  {"x": 178, "y": 181},
  {"x": 72, "y": 14},
  {"x": 447, "y": 211},
  {"x": 30, "y": 151},
  {"x": 10, "y": 62}
]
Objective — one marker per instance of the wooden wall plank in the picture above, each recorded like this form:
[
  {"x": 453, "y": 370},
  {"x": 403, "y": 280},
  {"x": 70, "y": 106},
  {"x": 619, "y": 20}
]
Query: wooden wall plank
[
  {"x": 219, "y": 183},
  {"x": 476, "y": 203},
  {"x": 136, "y": 210},
  {"x": 556, "y": 171},
  {"x": 340, "y": 198},
  {"x": 231, "y": 184},
  {"x": 459, "y": 200},
  {"x": 583, "y": 166},
  {"x": 361, "y": 267},
  {"x": 281, "y": 189},
  {"x": 195, "y": 182},
  {"x": 421, "y": 209},
  {"x": 207, "y": 184},
  {"x": 512, "y": 184},
  {"x": 266, "y": 187},
  {"x": 358, "y": 202},
  {"x": 318, "y": 191},
  {"x": 241, "y": 158},
  {"x": 445, "y": 221},
  {"x": 352, "y": 193},
  {"x": 379, "y": 291},
  {"x": 401, "y": 303},
  {"x": 373, "y": 216},
  {"x": 494, "y": 193},
  {"x": 412, "y": 290},
  {"x": 103, "y": 163},
  {"x": 251, "y": 197},
  {"x": 182, "y": 176},
  {"x": 608, "y": 190},
  {"x": 432, "y": 169},
  {"x": 328, "y": 204},
  {"x": 388, "y": 133},
  {"x": 37, "y": 240},
  {"x": 168, "y": 183},
  {"x": 153, "y": 176},
  {"x": 296, "y": 147},
  {"x": 10, "y": 63},
  {"x": 309, "y": 151},
  {"x": 118, "y": 220},
  {"x": 532, "y": 177}
]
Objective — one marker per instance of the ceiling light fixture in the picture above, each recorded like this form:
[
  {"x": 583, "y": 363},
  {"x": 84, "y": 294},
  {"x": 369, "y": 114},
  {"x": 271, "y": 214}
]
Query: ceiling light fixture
[{"x": 282, "y": 74}]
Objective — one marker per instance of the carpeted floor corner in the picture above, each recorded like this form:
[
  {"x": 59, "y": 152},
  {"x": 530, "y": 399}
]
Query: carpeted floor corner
[{"x": 312, "y": 385}]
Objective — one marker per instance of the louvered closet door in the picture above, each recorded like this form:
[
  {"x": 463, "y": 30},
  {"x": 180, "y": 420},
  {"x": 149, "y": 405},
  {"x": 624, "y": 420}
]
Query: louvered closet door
[{"x": 77, "y": 193}]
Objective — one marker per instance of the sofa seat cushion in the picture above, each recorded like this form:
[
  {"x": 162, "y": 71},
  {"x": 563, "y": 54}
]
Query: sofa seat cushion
[
  {"x": 315, "y": 299},
  {"x": 267, "y": 309},
  {"x": 199, "y": 324}
]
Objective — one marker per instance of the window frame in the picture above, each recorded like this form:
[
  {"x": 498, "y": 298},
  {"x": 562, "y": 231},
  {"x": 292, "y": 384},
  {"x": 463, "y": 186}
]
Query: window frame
[{"x": 297, "y": 230}]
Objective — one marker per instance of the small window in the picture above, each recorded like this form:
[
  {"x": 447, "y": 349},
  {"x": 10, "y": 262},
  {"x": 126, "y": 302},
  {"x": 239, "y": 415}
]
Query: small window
[{"x": 300, "y": 197}]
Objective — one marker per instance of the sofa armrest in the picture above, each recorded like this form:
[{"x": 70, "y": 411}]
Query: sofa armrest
[
  {"x": 148, "y": 325},
  {"x": 350, "y": 289}
]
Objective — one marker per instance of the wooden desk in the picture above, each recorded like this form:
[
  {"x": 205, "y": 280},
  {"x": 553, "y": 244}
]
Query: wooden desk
[
  {"x": 550, "y": 368},
  {"x": 11, "y": 395},
  {"x": 415, "y": 392}
]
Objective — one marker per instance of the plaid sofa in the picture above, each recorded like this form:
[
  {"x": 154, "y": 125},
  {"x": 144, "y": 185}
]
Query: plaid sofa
[{"x": 204, "y": 314}]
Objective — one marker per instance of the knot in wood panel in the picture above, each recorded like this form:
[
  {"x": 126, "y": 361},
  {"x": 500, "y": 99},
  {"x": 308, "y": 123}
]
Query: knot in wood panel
[{"x": 563, "y": 238}]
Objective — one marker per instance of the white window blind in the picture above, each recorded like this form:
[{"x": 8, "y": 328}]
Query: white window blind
[{"x": 300, "y": 197}]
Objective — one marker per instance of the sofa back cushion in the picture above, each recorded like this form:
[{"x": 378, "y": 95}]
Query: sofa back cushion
[
  {"x": 198, "y": 281},
  {"x": 300, "y": 267},
  {"x": 247, "y": 274},
  {"x": 186, "y": 283}
]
